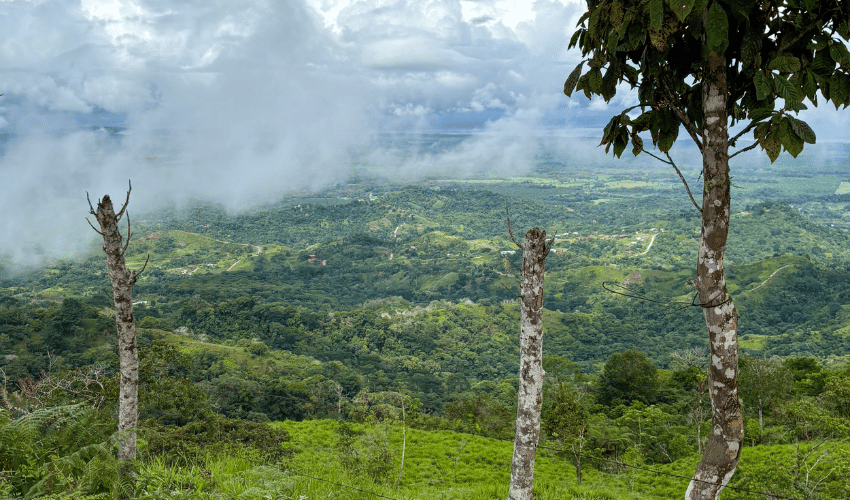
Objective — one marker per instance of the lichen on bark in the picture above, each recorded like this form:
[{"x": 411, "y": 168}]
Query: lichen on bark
[
  {"x": 530, "y": 390},
  {"x": 122, "y": 280}
]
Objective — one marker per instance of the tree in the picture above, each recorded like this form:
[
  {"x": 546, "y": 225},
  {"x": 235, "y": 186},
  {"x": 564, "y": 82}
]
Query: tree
[
  {"x": 530, "y": 391},
  {"x": 702, "y": 65},
  {"x": 128, "y": 356},
  {"x": 628, "y": 376},
  {"x": 566, "y": 419},
  {"x": 763, "y": 382}
]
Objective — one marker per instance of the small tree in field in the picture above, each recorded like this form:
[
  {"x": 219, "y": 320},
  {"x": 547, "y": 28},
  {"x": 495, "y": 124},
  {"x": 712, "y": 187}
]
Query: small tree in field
[
  {"x": 701, "y": 66},
  {"x": 128, "y": 356}
]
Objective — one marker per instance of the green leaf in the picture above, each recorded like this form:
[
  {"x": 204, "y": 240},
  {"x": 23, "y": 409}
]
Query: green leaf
[
  {"x": 666, "y": 138},
  {"x": 627, "y": 21},
  {"x": 750, "y": 50},
  {"x": 594, "y": 80},
  {"x": 823, "y": 64},
  {"x": 570, "y": 84},
  {"x": 621, "y": 141},
  {"x": 574, "y": 38},
  {"x": 810, "y": 87},
  {"x": 789, "y": 139},
  {"x": 839, "y": 89},
  {"x": 760, "y": 132},
  {"x": 772, "y": 145},
  {"x": 785, "y": 89},
  {"x": 717, "y": 29},
  {"x": 613, "y": 42},
  {"x": 637, "y": 144},
  {"x": 656, "y": 13},
  {"x": 593, "y": 24},
  {"x": 839, "y": 53},
  {"x": 609, "y": 84},
  {"x": 803, "y": 130},
  {"x": 681, "y": 8},
  {"x": 615, "y": 14},
  {"x": 762, "y": 84},
  {"x": 785, "y": 64},
  {"x": 760, "y": 114}
]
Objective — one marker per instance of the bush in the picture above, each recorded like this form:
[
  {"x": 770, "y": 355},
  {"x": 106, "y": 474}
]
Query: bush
[{"x": 215, "y": 434}]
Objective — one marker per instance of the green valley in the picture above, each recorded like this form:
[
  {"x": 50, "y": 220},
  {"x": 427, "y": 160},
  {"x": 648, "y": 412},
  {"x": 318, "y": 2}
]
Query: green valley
[{"x": 320, "y": 318}]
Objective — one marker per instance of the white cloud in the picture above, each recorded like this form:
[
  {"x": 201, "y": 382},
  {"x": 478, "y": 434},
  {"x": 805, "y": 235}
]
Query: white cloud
[{"x": 241, "y": 101}]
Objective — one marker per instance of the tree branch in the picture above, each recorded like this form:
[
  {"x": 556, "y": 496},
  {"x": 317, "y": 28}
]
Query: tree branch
[
  {"x": 510, "y": 232},
  {"x": 549, "y": 245},
  {"x": 687, "y": 188},
  {"x": 751, "y": 146},
  {"x": 662, "y": 160},
  {"x": 689, "y": 126},
  {"x": 121, "y": 212},
  {"x": 91, "y": 208},
  {"x": 140, "y": 271},
  {"x": 95, "y": 230},
  {"x": 749, "y": 127},
  {"x": 508, "y": 289}
]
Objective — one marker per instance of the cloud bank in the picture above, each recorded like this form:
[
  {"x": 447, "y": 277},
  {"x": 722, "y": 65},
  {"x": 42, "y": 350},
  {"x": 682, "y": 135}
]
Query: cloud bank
[{"x": 241, "y": 102}]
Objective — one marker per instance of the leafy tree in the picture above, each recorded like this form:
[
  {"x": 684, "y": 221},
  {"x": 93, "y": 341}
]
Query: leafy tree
[
  {"x": 566, "y": 419},
  {"x": 702, "y": 65},
  {"x": 628, "y": 376},
  {"x": 764, "y": 382},
  {"x": 809, "y": 377},
  {"x": 836, "y": 392},
  {"x": 167, "y": 396}
]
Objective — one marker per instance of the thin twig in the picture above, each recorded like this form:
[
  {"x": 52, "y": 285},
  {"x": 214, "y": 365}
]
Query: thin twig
[
  {"x": 95, "y": 230},
  {"x": 140, "y": 271},
  {"x": 662, "y": 160},
  {"x": 510, "y": 232},
  {"x": 91, "y": 208},
  {"x": 749, "y": 127},
  {"x": 127, "y": 201},
  {"x": 549, "y": 246},
  {"x": 127, "y": 239},
  {"x": 751, "y": 146},
  {"x": 509, "y": 290},
  {"x": 687, "y": 188}
]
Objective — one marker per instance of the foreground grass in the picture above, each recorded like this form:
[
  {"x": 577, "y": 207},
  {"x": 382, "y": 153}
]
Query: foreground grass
[{"x": 444, "y": 465}]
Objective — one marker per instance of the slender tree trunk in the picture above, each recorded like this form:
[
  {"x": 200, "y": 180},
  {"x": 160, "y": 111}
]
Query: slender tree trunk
[
  {"x": 578, "y": 449},
  {"x": 723, "y": 448},
  {"x": 403, "y": 442},
  {"x": 128, "y": 356},
  {"x": 530, "y": 392}
]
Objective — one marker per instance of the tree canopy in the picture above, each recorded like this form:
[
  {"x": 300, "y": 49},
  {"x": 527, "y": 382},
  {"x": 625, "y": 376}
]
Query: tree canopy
[{"x": 778, "y": 53}]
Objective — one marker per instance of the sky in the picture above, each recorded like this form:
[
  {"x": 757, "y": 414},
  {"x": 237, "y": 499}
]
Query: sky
[{"x": 242, "y": 102}]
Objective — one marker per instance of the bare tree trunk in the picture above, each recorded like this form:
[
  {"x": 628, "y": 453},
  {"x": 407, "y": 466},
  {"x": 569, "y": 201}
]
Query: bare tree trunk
[
  {"x": 530, "y": 392},
  {"x": 723, "y": 448},
  {"x": 128, "y": 356}
]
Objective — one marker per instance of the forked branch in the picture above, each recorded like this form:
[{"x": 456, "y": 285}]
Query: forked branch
[
  {"x": 510, "y": 231},
  {"x": 124, "y": 207}
]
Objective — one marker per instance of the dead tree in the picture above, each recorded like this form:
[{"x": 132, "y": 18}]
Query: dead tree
[
  {"x": 122, "y": 285},
  {"x": 530, "y": 391}
]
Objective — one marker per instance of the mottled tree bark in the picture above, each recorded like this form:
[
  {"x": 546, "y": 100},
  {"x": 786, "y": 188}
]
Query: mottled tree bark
[
  {"x": 720, "y": 458},
  {"x": 530, "y": 391},
  {"x": 128, "y": 356}
]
